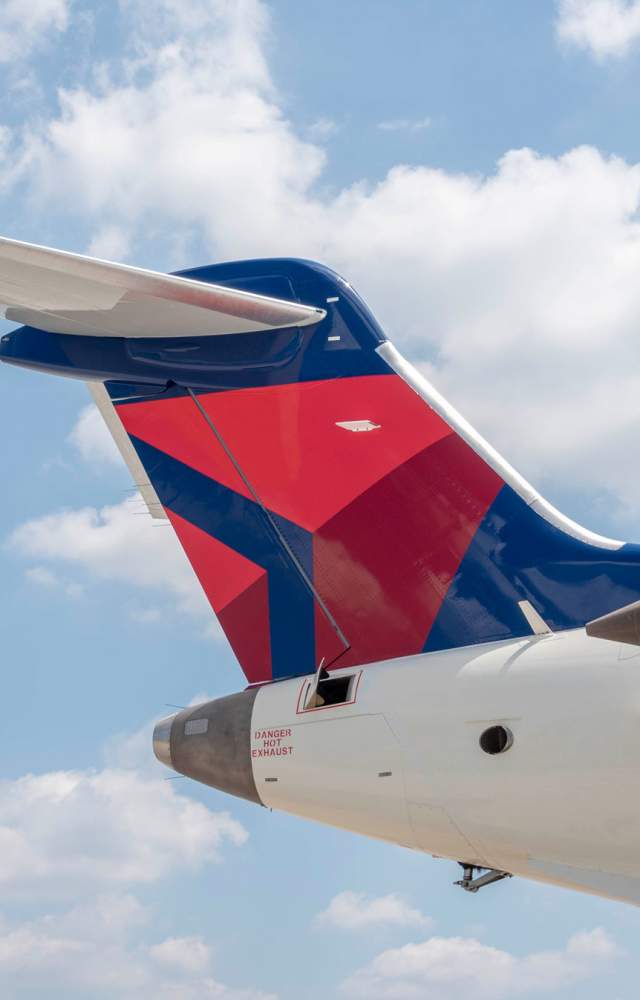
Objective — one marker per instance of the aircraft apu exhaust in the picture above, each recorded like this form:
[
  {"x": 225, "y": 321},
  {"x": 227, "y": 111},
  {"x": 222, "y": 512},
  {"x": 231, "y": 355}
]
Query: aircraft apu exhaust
[{"x": 211, "y": 743}]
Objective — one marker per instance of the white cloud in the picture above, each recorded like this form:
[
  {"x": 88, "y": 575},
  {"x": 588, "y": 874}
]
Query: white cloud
[
  {"x": 119, "y": 543},
  {"x": 41, "y": 576},
  {"x": 147, "y": 616},
  {"x": 602, "y": 27},
  {"x": 110, "y": 243},
  {"x": 132, "y": 751},
  {"x": 63, "y": 832},
  {"x": 91, "y": 438},
  {"x": 95, "y": 950},
  {"x": 405, "y": 124},
  {"x": 26, "y": 26},
  {"x": 465, "y": 969},
  {"x": 354, "y": 911},
  {"x": 322, "y": 129},
  {"x": 196, "y": 92},
  {"x": 72, "y": 844},
  {"x": 191, "y": 954}
]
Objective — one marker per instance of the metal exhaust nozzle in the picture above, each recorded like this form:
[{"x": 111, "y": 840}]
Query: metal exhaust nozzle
[{"x": 162, "y": 741}]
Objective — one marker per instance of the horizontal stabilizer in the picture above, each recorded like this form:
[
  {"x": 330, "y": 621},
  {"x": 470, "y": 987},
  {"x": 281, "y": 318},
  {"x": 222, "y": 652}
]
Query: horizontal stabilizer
[
  {"x": 622, "y": 625},
  {"x": 62, "y": 292}
]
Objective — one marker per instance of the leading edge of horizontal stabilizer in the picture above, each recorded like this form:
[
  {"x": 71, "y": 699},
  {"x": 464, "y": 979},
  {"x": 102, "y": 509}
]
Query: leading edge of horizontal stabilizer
[{"x": 60, "y": 292}]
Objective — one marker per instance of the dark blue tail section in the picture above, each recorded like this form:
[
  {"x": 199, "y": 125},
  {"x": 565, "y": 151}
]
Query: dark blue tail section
[{"x": 518, "y": 555}]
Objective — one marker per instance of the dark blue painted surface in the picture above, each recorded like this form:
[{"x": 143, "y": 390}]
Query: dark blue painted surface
[
  {"x": 242, "y": 525},
  {"x": 219, "y": 362},
  {"x": 516, "y": 555}
]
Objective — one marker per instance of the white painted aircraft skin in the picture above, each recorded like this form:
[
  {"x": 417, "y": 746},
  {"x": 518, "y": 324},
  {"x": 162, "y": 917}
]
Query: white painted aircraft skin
[{"x": 560, "y": 806}]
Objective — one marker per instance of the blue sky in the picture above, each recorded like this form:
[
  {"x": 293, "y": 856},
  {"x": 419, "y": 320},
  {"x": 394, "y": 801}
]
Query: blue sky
[{"x": 473, "y": 168}]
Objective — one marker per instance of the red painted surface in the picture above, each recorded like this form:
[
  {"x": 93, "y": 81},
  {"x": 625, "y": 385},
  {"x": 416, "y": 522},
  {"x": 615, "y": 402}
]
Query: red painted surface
[
  {"x": 176, "y": 427},
  {"x": 392, "y": 511},
  {"x": 384, "y": 564},
  {"x": 300, "y": 463},
  {"x": 285, "y": 439},
  {"x": 246, "y": 625},
  {"x": 238, "y": 592}
]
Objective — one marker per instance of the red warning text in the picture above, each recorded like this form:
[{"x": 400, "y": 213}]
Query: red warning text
[{"x": 271, "y": 743}]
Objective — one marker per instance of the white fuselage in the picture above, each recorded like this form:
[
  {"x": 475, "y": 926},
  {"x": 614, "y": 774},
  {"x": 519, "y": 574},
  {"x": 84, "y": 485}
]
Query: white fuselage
[{"x": 402, "y": 762}]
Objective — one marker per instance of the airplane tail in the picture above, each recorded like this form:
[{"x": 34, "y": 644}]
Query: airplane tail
[{"x": 334, "y": 507}]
